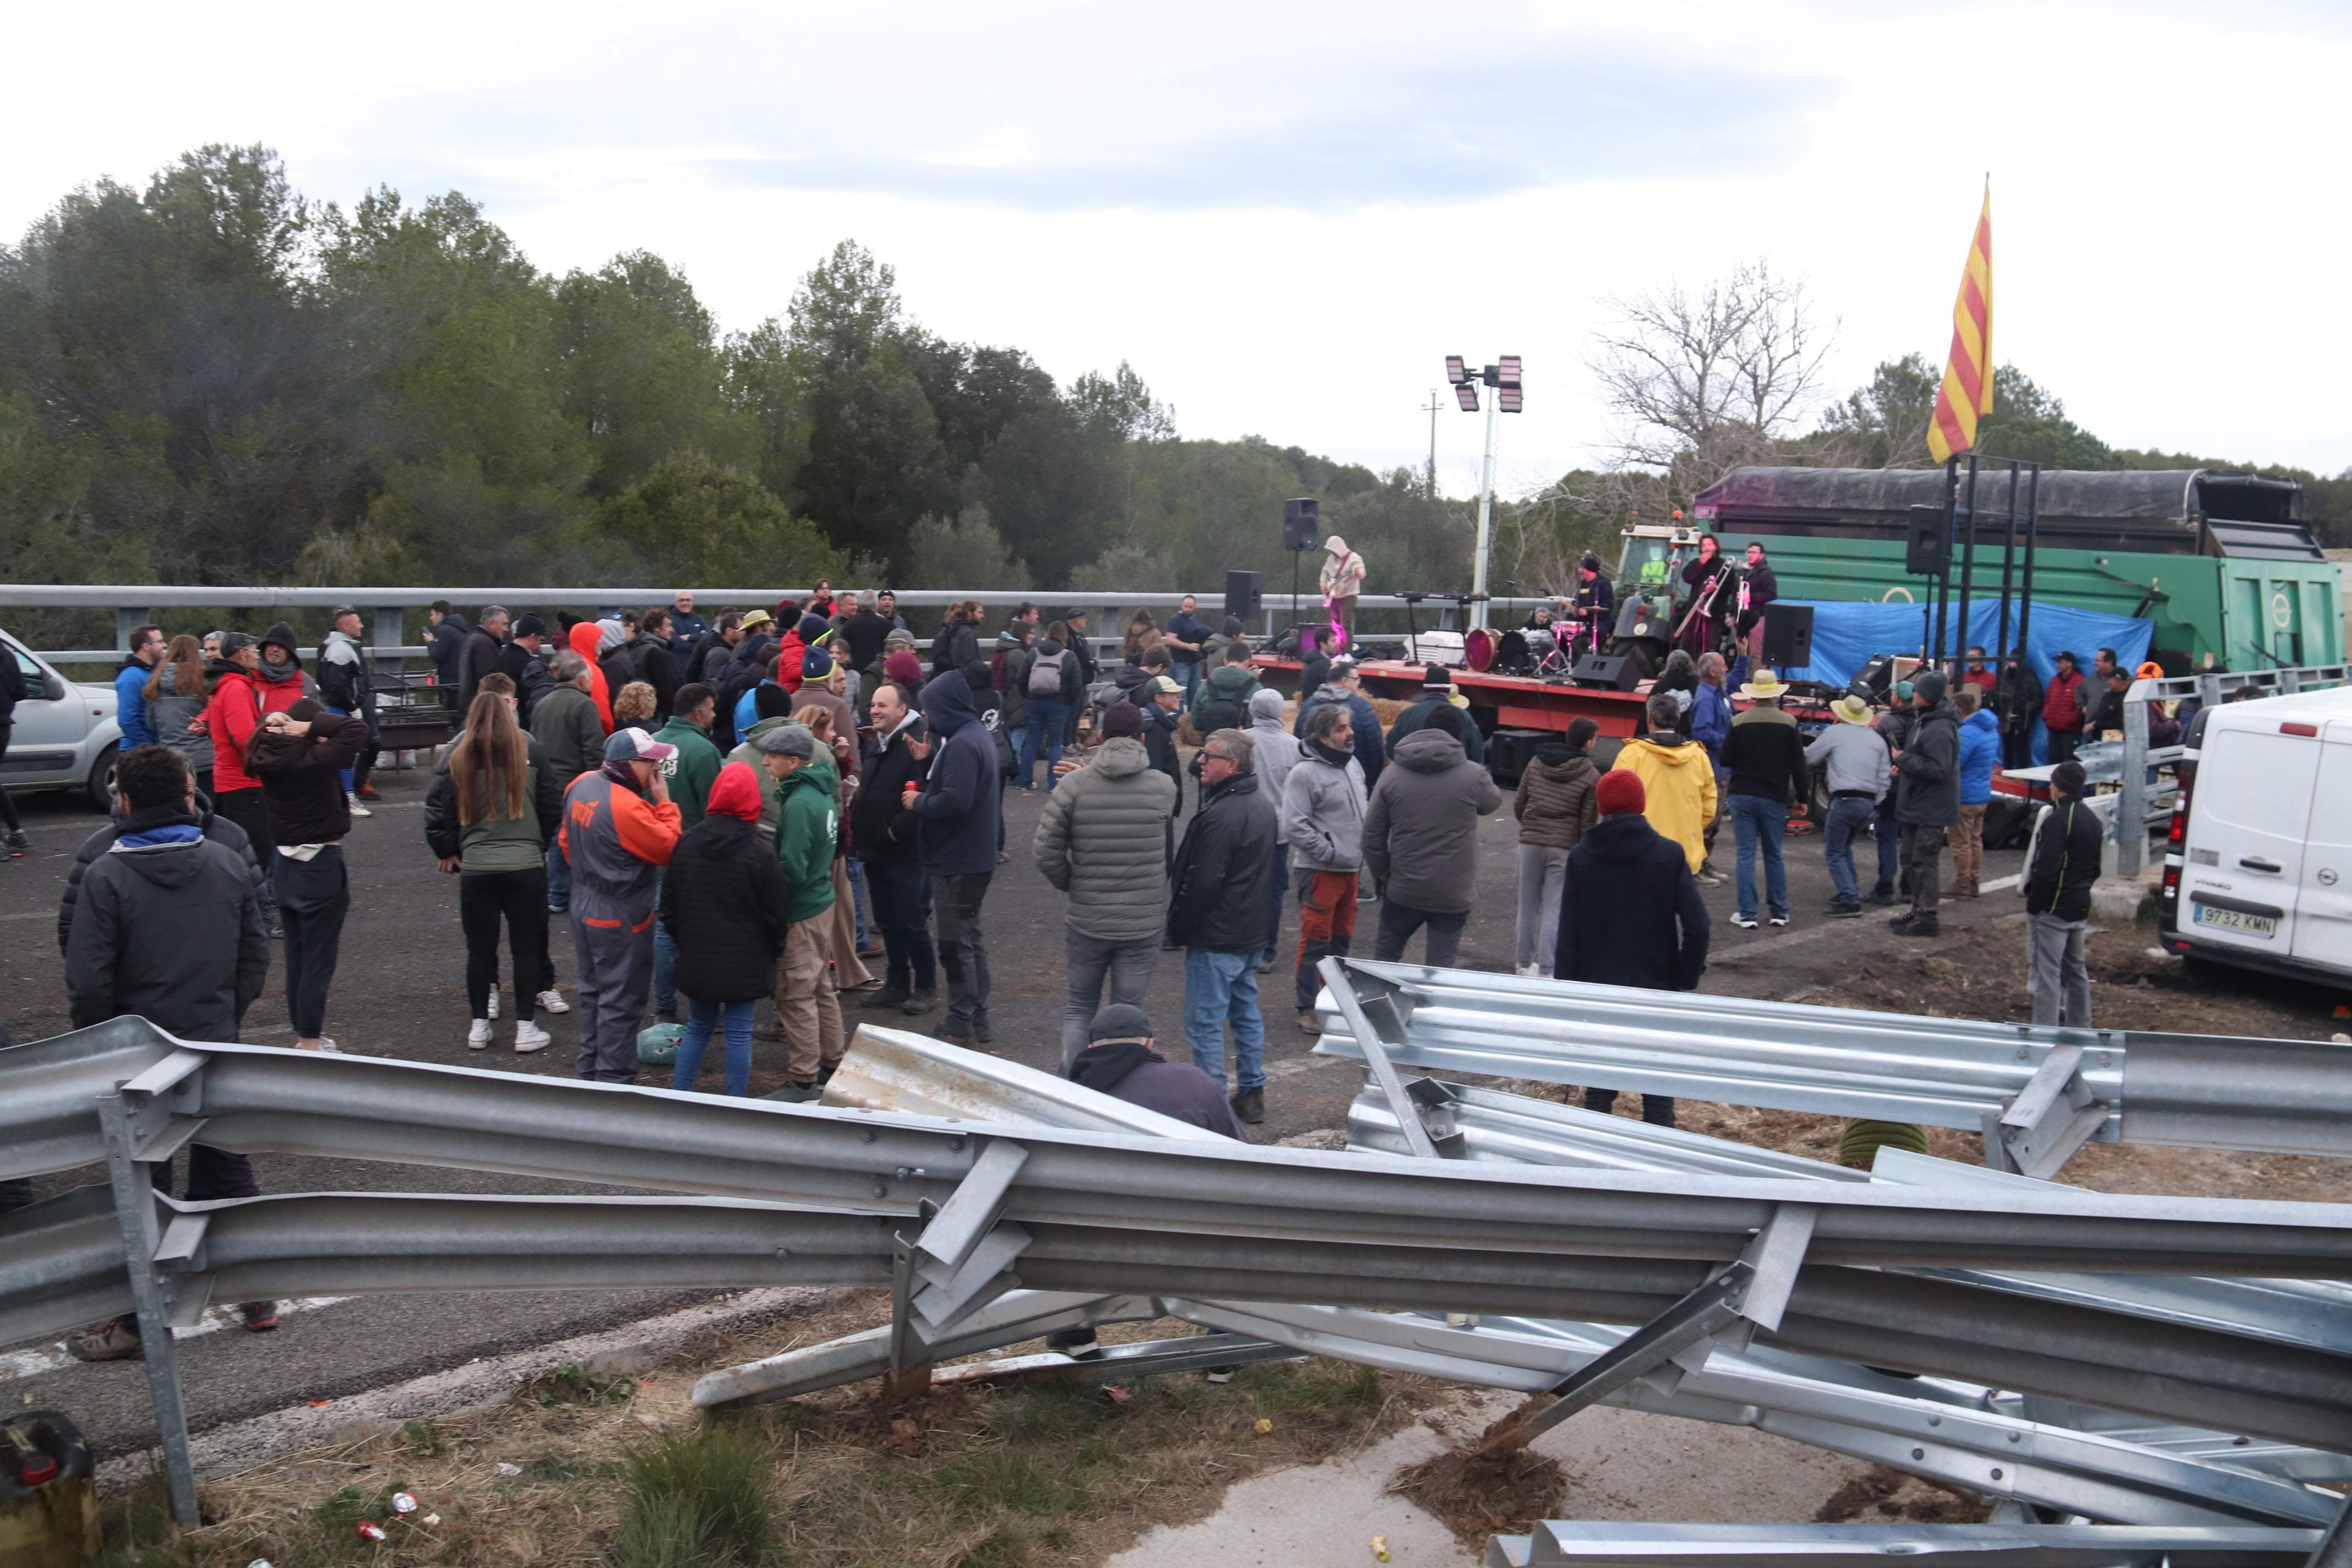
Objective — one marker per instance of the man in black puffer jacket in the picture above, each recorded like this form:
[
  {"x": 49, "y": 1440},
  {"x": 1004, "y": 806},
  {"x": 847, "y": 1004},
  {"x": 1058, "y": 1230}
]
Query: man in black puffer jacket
[
  {"x": 1218, "y": 891},
  {"x": 2058, "y": 901},
  {"x": 722, "y": 901},
  {"x": 219, "y": 829},
  {"x": 1927, "y": 799}
]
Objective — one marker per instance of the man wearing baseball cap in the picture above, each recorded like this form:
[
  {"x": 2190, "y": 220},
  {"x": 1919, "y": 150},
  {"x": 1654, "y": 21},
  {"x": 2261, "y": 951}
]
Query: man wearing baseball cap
[
  {"x": 618, "y": 830},
  {"x": 808, "y": 823},
  {"x": 1630, "y": 913},
  {"x": 1857, "y": 761}
]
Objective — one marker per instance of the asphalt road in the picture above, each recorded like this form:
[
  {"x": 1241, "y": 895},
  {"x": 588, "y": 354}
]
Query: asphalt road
[{"x": 400, "y": 991}]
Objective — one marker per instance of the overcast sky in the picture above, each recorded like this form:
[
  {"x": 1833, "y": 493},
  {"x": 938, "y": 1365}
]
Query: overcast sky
[{"x": 1286, "y": 215}]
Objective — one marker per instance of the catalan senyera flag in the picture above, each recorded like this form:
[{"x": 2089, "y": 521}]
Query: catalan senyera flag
[{"x": 1966, "y": 393}]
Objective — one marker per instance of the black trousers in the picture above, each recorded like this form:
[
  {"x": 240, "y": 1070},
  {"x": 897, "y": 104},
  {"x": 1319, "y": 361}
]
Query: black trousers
[
  {"x": 7, "y": 802},
  {"x": 521, "y": 899},
  {"x": 898, "y": 896},
  {"x": 1657, "y": 1110},
  {"x": 956, "y": 901},
  {"x": 2063, "y": 743},
  {"x": 313, "y": 897},
  {"x": 212, "y": 1173}
]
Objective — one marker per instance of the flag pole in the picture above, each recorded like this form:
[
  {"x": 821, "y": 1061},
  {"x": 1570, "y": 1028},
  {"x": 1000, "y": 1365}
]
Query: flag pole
[{"x": 1968, "y": 566}]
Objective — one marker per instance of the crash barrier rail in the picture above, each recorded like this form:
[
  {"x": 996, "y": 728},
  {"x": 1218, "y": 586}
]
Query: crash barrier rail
[
  {"x": 1064, "y": 1210},
  {"x": 2035, "y": 1094},
  {"x": 1575, "y": 1543}
]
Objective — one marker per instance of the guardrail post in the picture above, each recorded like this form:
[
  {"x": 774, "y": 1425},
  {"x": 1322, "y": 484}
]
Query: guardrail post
[
  {"x": 390, "y": 632},
  {"x": 124, "y": 620},
  {"x": 135, "y": 1208},
  {"x": 2131, "y": 811}
]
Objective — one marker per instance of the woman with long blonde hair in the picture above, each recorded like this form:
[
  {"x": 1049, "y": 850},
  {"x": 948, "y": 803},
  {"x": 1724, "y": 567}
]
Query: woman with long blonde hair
[
  {"x": 175, "y": 696},
  {"x": 492, "y": 811}
]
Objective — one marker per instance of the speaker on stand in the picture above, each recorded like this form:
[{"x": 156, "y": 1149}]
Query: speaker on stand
[
  {"x": 1243, "y": 592},
  {"x": 1302, "y": 520},
  {"x": 1788, "y": 637}
]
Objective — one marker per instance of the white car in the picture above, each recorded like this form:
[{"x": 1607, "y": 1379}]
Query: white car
[
  {"x": 2258, "y": 869},
  {"x": 64, "y": 737}
]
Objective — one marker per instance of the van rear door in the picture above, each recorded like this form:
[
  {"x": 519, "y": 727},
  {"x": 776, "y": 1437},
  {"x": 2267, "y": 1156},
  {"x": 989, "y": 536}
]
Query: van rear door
[
  {"x": 2323, "y": 918},
  {"x": 2244, "y": 863}
]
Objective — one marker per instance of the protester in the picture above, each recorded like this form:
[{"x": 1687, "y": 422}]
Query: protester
[
  {"x": 849, "y": 971},
  {"x": 1928, "y": 798},
  {"x": 584, "y": 636},
  {"x": 2107, "y": 710},
  {"x": 1857, "y": 764},
  {"x": 1049, "y": 682},
  {"x": 571, "y": 743},
  {"x": 299, "y": 755},
  {"x": 1322, "y": 821},
  {"x": 723, "y": 902},
  {"x": 774, "y": 711},
  {"x": 1016, "y": 648},
  {"x": 14, "y": 842},
  {"x": 885, "y": 832},
  {"x": 959, "y": 832},
  {"x": 231, "y": 717},
  {"x": 443, "y": 644},
  {"x": 169, "y": 928},
  {"x": 525, "y": 661},
  {"x": 1976, "y": 673},
  {"x": 1420, "y": 839},
  {"x": 1341, "y": 579},
  {"x": 2017, "y": 702},
  {"x": 1104, "y": 841},
  {"x": 1183, "y": 637},
  {"x": 706, "y": 661},
  {"x": 1765, "y": 757},
  {"x": 1119, "y": 1060},
  {"x": 489, "y": 817},
  {"x": 1274, "y": 752},
  {"x": 958, "y": 643},
  {"x": 691, "y": 769},
  {"x": 1229, "y": 632},
  {"x": 1708, "y": 720},
  {"x": 1083, "y": 651},
  {"x": 820, "y": 600},
  {"x": 1595, "y": 604},
  {"x": 1342, "y": 685},
  {"x": 1132, "y": 680},
  {"x": 1221, "y": 701},
  {"x": 146, "y": 651},
  {"x": 175, "y": 697},
  {"x": 1677, "y": 780},
  {"x": 2058, "y": 902},
  {"x": 2062, "y": 707},
  {"x": 619, "y": 829},
  {"x": 1556, "y": 806},
  {"x": 808, "y": 1007},
  {"x": 793, "y": 653},
  {"x": 346, "y": 688},
  {"x": 633, "y": 704},
  {"x": 1893, "y": 727},
  {"x": 1162, "y": 713},
  {"x": 1979, "y": 754},
  {"x": 764, "y": 698},
  {"x": 865, "y": 634},
  {"x": 1222, "y": 879},
  {"x": 1436, "y": 692},
  {"x": 686, "y": 627},
  {"x": 477, "y": 656},
  {"x": 617, "y": 663},
  {"x": 209, "y": 822},
  {"x": 1630, "y": 914}
]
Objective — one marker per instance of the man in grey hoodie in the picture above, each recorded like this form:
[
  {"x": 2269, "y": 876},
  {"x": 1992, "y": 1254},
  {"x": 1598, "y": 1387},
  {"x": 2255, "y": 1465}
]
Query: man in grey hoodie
[
  {"x": 1322, "y": 821},
  {"x": 1928, "y": 798},
  {"x": 1274, "y": 752},
  {"x": 1421, "y": 838}
]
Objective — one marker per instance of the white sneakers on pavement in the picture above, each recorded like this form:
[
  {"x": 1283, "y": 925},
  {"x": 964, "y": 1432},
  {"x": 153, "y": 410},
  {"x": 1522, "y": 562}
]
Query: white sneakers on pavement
[
  {"x": 352, "y": 804},
  {"x": 530, "y": 1037},
  {"x": 493, "y": 1012},
  {"x": 554, "y": 1002},
  {"x": 478, "y": 1037}
]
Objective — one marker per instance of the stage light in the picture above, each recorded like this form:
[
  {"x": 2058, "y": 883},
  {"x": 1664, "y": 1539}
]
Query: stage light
[
  {"x": 1507, "y": 371},
  {"x": 1467, "y": 394},
  {"x": 1455, "y": 371},
  {"x": 1507, "y": 398}
]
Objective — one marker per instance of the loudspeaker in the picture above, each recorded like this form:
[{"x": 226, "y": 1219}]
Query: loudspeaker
[
  {"x": 1788, "y": 636},
  {"x": 1243, "y": 590},
  {"x": 1613, "y": 672},
  {"x": 1929, "y": 547},
  {"x": 1302, "y": 521}
]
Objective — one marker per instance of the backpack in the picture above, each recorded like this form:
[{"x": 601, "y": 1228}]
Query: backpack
[
  {"x": 997, "y": 668},
  {"x": 1045, "y": 674}
]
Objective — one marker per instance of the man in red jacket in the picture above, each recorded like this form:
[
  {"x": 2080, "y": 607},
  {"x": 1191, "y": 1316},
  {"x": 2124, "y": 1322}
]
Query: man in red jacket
[{"x": 2062, "y": 708}]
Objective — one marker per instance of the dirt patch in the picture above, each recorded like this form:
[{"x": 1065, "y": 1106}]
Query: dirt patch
[
  {"x": 1480, "y": 1495},
  {"x": 1880, "y": 1496}
]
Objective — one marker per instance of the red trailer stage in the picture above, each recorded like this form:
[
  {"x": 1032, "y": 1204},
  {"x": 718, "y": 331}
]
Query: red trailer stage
[{"x": 1497, "y": 701}]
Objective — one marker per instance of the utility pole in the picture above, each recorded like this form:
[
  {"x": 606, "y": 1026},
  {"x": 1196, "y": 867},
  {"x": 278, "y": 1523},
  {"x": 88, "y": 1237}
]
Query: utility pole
[{"x": 1431, "y": 484}]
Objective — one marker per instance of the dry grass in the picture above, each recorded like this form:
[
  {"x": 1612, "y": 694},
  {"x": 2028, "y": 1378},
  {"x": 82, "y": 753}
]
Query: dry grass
[{"x": 970, "y": 1478}]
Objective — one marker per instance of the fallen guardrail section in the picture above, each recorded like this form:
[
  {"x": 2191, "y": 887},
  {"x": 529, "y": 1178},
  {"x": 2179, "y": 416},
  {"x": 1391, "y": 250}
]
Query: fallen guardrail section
[
  {"x": 2036, "y": 1095},
  {"x": 963, "y": 1216}
]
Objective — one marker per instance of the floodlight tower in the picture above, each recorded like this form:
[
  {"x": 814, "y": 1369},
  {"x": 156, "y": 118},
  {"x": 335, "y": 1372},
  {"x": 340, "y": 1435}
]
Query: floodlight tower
[{"x": 1503, "y": 377}]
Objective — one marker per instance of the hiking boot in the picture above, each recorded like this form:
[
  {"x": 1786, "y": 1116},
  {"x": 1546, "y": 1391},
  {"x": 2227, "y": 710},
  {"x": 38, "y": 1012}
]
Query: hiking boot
[
  {"x": 551, "y": 1001},
  {"x": 1903, "y": 921},
  {"x": 1919, "y": 927},
  {"x": 921, "y": 1000},
  {"x": 982, "y": 1032},
  {"x": 1966, "y": 890},
  {"x": 1249, "y": 1104},
  {"x": 1308, "y": 1024},
  {"x": 113, "y": 1340},
  {"x": 1882, "y": 897},
  {"x": 892, "y": 994},
  {"x": 477, "y": 1035},
  {"x": 530, "y": 1037},
  {"x": 367, "y": 792},
  {"x": 1842, "y": 912},
  {"x": 259, "y": 1317}
]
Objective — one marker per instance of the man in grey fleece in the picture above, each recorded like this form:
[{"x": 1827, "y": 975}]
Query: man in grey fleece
[
  {"x": 1322, "y": 821},
  {"x": 1104, "y": 840},
  {"x": 1857, "y": 761},
  {"x": 1928, "y": 798},
  {"x": 1421, "y": 838}
]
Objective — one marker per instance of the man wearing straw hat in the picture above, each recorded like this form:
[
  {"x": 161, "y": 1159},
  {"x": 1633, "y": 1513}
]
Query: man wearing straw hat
[
  {"x": 1858, "y": 760},
  {"x": 1765, "y": 756}
]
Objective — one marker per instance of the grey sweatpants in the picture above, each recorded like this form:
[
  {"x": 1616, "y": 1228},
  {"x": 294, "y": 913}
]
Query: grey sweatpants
[
  {"x": 2060, "y": 981},
  {"x": 617, "y": 970},
  {"x": 1543, "y": 873},
  {"x": 1127, "y": 966}
]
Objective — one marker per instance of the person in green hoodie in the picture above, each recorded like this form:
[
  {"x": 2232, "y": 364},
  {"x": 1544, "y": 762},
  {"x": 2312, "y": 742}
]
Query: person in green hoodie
[
  {"x": 689, "y": 770},
  {"x": 808, "y": 821},
  {"x": 775, "y": 713},
  {"x": 1221, "y": 701}
]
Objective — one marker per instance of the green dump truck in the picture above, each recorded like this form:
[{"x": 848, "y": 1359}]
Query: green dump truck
[{"x": 2221, "y": 563}]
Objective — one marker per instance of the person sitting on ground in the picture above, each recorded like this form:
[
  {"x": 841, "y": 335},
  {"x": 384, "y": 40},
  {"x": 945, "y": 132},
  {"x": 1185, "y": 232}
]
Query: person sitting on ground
[
  {"x": 1120, "y": 1060},
  {"x": 1436, "y": 692}
]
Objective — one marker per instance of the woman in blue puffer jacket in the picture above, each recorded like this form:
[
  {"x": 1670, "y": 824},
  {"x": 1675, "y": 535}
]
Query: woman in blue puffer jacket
[{"x": 1979, "y": 755}]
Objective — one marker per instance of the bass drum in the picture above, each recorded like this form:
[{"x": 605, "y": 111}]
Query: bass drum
[
  {"x": 1515, "y": 652},
  {"x": 1478, "y": 648}
]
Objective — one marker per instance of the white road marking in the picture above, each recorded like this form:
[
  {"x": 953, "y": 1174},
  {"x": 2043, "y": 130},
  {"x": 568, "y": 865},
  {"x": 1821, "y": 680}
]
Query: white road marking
[
  {"x": 2001, "y": 884},
  {"x": 54, "y": 1357}
]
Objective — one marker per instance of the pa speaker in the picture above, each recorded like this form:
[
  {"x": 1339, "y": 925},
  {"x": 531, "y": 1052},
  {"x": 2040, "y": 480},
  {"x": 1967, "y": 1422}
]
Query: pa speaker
[
  {"x": 1243, "y": 590},
  {"x": 1302, "y": 520},
  {"x": 1612, "y": 672},
  {"x": 1929, "y": 546},
  {"x": 1788, "y": 636}
]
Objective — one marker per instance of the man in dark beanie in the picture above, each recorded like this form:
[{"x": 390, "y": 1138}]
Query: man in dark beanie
[
  {"x": 1630, "y": 914},
  {"x": 1437, "y": 692},
  {"x": 2058, "y": 901},
  {"x": 1120, "y": 1060},
  {"x": 1928, "y": 798}
]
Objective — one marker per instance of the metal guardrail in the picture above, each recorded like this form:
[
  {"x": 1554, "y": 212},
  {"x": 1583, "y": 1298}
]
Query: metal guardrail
[
  {"x": 1574, "y": 1544},
  {"x": 2037, "y": 1094}
]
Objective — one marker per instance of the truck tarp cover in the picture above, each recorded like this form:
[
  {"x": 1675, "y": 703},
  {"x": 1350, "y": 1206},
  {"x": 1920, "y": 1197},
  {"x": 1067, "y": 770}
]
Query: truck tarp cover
[
  {"x": 1850, "y": 633},
  {"x": 2146, "y": 494}
]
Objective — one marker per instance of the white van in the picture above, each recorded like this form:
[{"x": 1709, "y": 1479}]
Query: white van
[
  {"x": 2258, "y": 867},
  {"x": 64, "y": 734}
]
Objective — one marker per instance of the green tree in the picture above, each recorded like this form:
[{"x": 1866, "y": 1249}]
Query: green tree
[
  {"x": 692, "y": 519},
  {"x": 967, "y": 553},
  {"x": 641, "y": 370}
]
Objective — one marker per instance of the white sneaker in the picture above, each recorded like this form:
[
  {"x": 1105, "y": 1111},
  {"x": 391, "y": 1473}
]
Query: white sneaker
[
  {"x": 352, "y": 804},
  {"x": 478, "y": 1036},
  {"x": 530, "y": 1037},
  {"x": 494, "y": 1002},
  {"x": 1526, "y": 971},
  {"x": 328, "y": 1045},
  {"x": 554, "y": 1002}
]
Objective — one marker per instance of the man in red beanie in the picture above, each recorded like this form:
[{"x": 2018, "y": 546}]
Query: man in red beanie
[{"x": 1630, "y": 914}]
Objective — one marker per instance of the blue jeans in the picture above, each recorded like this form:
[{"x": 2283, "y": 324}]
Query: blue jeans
[
  {"x": 1221, "y": 988},
  {"x": 665, "y": 958},
  {"x": 1187, "y": 672},
  {"x": 1758, "y": 819},
  {"x": 701, "y": 1018},
  {"x": 855, "y": 873},
  {"x": 1849, "y": 814},
  {"x": 1048, "y": 717},
  {"x": 1889, "y": 832},
  {"x": 559, "y": 879}
]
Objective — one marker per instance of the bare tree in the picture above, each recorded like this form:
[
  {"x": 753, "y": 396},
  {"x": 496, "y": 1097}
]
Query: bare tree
[{"x": 1705, "y": 381}]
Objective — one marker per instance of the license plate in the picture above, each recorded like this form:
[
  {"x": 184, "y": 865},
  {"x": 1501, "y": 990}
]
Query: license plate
[{"x": 2237, "y": 919}]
